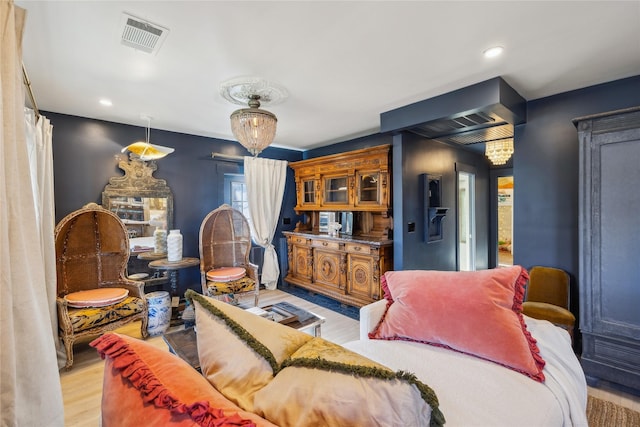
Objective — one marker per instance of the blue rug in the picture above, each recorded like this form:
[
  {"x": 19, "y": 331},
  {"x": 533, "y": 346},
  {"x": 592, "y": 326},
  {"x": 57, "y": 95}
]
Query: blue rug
[{"x": 321, "y": 300}]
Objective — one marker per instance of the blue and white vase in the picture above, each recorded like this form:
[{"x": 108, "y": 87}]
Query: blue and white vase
[{"x": 159, "y": 303}]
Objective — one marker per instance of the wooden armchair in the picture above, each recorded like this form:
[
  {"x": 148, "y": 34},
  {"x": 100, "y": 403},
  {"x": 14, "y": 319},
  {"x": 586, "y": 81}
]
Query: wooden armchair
[
  {"x": 225, "y": 243},
  {"x": 92, "y": 250}
]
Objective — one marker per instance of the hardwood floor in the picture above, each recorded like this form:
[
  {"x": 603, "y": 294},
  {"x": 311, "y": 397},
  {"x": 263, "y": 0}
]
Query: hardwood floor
[{"x": 82, "y": 386}]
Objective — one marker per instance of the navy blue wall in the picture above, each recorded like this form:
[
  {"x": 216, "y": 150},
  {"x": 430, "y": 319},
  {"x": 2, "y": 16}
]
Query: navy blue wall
[
  {"x": 86, "y": 153},
  {"x": 545, "y": 168}
]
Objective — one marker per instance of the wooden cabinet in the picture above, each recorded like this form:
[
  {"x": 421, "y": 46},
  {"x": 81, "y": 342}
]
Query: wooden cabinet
[
  {"x": 609, "y": 245},
  {"x": 345, "y": 269},
  {"x": 356, "y": 180}
]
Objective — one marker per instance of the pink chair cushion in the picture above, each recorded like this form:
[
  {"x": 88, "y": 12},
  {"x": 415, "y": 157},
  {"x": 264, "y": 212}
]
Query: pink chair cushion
[
  {"x": 226, "y": 274},
  {"x": 96, "y": 297}
]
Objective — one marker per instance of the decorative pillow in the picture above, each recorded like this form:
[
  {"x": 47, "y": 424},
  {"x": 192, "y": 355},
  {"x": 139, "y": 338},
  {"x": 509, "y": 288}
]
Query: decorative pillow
[
  {"x": 474, "y": 312},
  {"x": 240, "y": 352},
  {"x": 96, "y": 297},
  {"x": 148, "y": 386},
  {"x": 324, "y": 384},
  {"x": 226, "y": 274}
]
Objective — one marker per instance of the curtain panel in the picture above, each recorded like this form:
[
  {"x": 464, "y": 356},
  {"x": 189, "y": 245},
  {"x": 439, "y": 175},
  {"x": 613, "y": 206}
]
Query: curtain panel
[
  {"x": 30, "y": 392},
  {"x": 265, "y": 180}
]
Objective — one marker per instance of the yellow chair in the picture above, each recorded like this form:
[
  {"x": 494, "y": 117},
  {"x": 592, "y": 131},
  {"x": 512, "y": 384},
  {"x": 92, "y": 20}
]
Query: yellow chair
[
  {"x": 225, "y": 241},
  {"x": 92, "y": 250},
  {"x": 548, "y": 297}
]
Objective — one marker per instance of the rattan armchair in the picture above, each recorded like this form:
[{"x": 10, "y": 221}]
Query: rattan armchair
[
  {"x": 225, "y": 241},
  {"x": 92, "y": 250}
]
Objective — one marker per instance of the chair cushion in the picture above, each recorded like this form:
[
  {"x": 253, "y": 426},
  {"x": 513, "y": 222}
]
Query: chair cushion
[
  {"x": 474, "y": 312},
  {"x": 550, "y": 312},
  {"x": 226, "y": 274},
  {"x": 96, "y": 297},
  {"x": 245, "y": 284},
  {"x": 91, "y": 317}
]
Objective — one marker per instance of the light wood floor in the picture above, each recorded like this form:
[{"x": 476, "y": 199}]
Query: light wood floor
[{"x": 82, "y": 385}]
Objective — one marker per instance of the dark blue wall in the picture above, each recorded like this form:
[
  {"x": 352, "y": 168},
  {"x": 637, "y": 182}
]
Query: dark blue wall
[
  {"x": 86, "y": 153},
  {"x": 545, "y": 169}
]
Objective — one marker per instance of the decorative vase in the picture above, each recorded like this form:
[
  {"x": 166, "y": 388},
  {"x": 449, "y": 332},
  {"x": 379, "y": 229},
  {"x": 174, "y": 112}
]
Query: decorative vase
[
  {"x": 160, "y": 241},
  {"x": 174, "y": 246},
  {"x": 159, "y": 303}
]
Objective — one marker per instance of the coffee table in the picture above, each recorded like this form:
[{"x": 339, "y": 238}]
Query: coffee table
[{"x": 183, "y": 342}]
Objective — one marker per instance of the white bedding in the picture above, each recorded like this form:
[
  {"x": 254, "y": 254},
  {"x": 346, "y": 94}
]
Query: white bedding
[{"x": 475, "y": 392}]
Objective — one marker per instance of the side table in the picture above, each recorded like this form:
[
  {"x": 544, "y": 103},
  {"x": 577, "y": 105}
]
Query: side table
[{"x": 172, "y": 267}]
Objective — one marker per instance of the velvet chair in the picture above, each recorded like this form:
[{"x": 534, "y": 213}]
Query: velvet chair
[
  {"x": 225, "y": 245},
  {"x": 547, "y": 297},
  {"x": 93, "y": 294}
]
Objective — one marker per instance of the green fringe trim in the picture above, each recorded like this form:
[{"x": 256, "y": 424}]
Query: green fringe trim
[
  {"x": 259, "y": 348},
  {"x": 427, "y": 393}
]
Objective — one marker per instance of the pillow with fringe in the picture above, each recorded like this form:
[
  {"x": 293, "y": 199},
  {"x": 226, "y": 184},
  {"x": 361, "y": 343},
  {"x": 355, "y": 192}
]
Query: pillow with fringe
[
  {"x": 148, "y": 386},
  {"x": 324, "y": 384},
  {"x": 473, "y": 312},
  {"x": 240, "y": 352}
]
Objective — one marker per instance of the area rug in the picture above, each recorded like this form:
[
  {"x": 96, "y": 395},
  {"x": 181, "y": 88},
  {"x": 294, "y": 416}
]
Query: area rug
[
  {"x": 602, "y": 413},
  {"x": 321, "y": 300}
]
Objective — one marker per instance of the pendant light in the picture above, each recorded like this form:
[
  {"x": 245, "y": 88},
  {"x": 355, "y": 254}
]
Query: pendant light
[{"x": 145, "y": 150}]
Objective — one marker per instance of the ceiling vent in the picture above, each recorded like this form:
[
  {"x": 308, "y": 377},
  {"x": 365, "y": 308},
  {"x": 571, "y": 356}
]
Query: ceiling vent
[{"x": 141, "y": 34}]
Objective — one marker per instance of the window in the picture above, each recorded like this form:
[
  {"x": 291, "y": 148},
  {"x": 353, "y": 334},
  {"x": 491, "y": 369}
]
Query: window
[{"x": 235, "y": 194}]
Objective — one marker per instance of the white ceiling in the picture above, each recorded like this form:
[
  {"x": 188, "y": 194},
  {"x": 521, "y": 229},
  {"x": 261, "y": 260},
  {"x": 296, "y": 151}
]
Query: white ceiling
[{"x": 343, "y": 63}]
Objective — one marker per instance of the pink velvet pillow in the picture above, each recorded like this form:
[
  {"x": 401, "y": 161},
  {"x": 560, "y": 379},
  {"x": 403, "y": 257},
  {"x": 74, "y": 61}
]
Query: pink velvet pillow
[{"x": 474, "y": 312}]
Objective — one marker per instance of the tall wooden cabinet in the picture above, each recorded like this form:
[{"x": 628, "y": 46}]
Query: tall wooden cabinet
[
  {"x": 610, "y": 246},
  {"x": 345, "y": 267}
]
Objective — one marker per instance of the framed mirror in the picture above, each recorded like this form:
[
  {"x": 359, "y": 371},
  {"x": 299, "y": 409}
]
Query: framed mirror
[{"x": 141, "y": 201}]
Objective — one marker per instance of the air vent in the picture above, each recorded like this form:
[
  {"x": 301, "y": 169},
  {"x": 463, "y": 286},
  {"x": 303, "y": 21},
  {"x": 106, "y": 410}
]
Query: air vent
[{"x": 141, "y": 34}]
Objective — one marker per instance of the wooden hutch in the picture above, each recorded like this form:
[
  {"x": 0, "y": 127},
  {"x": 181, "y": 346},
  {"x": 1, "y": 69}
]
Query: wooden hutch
[{"x": 346, "y": 267}]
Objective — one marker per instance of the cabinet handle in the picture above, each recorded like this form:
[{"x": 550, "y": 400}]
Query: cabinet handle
[
  {"x": 357, "y": 248},
  {"x": 324, "y": 243}
]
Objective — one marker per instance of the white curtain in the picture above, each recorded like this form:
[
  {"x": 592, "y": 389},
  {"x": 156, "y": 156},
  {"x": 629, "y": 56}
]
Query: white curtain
[
  {"x": 30, "y": 392},
  {"x": 265, "y": 179}
]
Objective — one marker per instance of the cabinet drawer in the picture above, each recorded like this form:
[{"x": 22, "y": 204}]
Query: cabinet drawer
[
  {"x": 326, "y": 244},
  {"x": 357, "y": 248},
  {"x": 297, "y": 240}
]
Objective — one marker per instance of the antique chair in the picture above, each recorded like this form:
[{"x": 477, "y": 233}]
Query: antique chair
[
  {"x": 93, "y": 294},
  {"x": 547, "y": 297},
  {"x": 225, "y": 244}
]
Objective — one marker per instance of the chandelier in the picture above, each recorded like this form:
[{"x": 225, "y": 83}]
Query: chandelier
[
  {"x": 499, "y": 151},
  {"x": 253, "y": 127},
  {"x": 146, "y": 151}
]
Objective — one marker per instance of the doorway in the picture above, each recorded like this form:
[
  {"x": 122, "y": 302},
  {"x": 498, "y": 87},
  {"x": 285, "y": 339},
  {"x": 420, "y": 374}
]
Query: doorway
[
  {"x": 505, "y": 221},
  {"x": 466, "y": 220}
]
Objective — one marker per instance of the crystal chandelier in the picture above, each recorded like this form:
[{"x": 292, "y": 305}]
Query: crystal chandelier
[
  {"x": 253, "y": 127},
  {"x": 499, "y": 151}
]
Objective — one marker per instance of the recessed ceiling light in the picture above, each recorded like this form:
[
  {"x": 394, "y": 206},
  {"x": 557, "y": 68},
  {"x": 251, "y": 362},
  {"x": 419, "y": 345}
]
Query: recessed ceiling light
[
  {"x": 106, "y": 102},
  {"x": 492, "y": 52}
]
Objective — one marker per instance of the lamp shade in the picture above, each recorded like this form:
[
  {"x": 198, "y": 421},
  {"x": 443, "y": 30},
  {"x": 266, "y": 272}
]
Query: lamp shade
[
  {"x": 253, "y": 127},
  {"x": 146, "y": 151}
]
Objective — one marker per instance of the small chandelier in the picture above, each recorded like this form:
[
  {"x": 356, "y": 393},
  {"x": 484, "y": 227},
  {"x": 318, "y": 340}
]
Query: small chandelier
[
  {"x": 499, "y": 151},
  {"x": 253, "y": 127}
]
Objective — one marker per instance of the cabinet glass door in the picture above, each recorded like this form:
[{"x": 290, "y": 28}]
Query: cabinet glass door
[
  {"x": 335, "y": 190},
  {"x": 369, "y": 188},
  {"x": 309, "y": 192}
]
